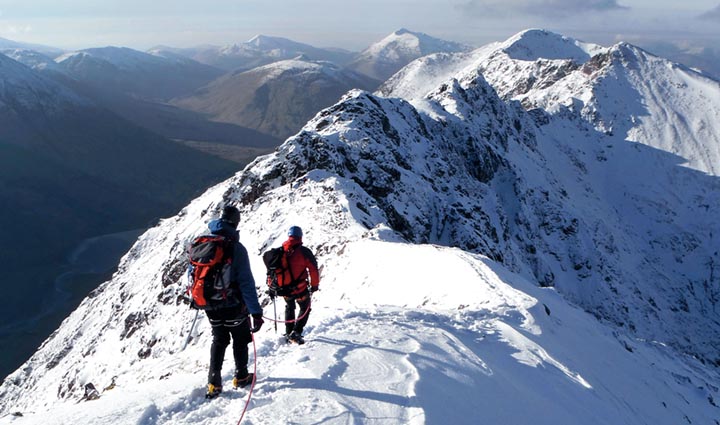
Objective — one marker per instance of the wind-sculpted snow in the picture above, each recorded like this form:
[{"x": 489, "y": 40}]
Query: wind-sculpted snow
[
  {"x": 486, "y": 345},
  {"x": 480, "y": 263}
]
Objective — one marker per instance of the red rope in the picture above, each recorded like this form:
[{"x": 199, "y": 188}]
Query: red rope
[
  {"x": 291, "y": 321},
  {"x": 252, "y": 387}
]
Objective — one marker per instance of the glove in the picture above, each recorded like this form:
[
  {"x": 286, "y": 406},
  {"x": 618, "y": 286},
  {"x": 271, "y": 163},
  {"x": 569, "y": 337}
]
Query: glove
[
  {"x": 270, "y": 293},
  {"x": 314, "y": 289},
  {"x": 257, "y": 322}
]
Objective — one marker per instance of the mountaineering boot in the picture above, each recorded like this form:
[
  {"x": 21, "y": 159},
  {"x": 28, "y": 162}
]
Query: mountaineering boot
[
  {"x": 295, "y": 338},
  {"x": 242, "y": 382},
  {"x": 213, "y": 391}
]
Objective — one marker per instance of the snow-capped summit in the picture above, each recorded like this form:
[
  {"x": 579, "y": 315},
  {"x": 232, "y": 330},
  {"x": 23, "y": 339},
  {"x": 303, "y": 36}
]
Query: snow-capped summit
[
  {"x": 267, "y": 43},
  {"x": 388, "y": 55},
  {"x": 534, "y": 44},
  {"x": 620, "y": 89}
]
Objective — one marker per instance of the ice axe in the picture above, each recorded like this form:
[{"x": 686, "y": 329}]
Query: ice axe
[{"x": 187, "y": 340}]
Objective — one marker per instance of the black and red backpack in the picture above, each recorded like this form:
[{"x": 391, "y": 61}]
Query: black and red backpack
[
  {"x": 277, "y": 263},
  {"x": 211, "y": 272}
]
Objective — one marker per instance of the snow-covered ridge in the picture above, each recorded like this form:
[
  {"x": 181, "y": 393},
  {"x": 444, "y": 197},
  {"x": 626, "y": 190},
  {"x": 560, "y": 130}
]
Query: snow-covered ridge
[
  {"x": 299, "y": 65},
  {"x": 121, "y": 57},
  {"x": 21, "y": 86},
  {"x": 261, "y": 49},
  {"x": 621, "y": 90},
  {"x": 534, "y": 44},
  {"x": 33, "y": 59}
]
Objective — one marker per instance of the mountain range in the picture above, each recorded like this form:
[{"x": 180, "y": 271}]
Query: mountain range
[
  {"x": 278, "y": 84},
  {"x": 258, "y": 51},
  {"x": 523, "y": 233},
  {"x": 136, "y": 73},
  {"x": 222, "y": 92}
]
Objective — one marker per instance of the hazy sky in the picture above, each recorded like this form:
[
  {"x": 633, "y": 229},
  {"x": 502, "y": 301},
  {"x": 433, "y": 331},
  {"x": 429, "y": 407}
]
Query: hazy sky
[{"x": 73, "y": 24}]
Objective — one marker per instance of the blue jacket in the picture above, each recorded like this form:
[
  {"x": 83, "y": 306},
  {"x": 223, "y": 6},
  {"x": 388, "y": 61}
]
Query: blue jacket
[{"x": 240, "y": 265}]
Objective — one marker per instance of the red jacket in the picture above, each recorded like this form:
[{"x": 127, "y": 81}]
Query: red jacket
[{"x": 302, "y": 268}]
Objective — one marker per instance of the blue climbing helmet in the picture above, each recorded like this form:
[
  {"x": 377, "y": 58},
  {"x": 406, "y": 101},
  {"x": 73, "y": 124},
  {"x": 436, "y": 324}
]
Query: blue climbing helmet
[{"x": 295, "y": 232}]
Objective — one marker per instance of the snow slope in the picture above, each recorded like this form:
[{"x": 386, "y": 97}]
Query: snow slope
[{"x": 464, "y": 341}]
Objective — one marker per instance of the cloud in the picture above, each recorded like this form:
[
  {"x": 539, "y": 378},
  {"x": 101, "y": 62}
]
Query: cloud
[
  {"x": 18, "y": 29},
  {"x": 712, "y": 14},
  {"x": 544, "y": 8}
]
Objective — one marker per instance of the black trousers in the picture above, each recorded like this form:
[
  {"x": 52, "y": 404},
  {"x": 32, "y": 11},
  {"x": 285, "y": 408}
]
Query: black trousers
[
  {"x": 292, "y": 325},
  {"x": 226, "y": 323}
]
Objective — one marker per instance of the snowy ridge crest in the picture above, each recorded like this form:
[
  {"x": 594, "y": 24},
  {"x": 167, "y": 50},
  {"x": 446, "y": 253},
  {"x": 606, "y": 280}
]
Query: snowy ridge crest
[
  {"x": 22, "y": 87},
  {"x": 534, "y": 44}
]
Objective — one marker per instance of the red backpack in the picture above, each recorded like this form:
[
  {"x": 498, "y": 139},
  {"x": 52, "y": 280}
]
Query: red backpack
[
  {"x": 211, "y": 264},
  {"x": 276, "y": 262}
]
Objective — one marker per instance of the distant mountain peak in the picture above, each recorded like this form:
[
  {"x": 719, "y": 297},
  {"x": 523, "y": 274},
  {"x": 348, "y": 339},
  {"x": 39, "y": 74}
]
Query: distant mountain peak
[
  {"x": 387, "y": 56},
  {"x": 534, "y": 44},
  {"x": 258, "y": 40},
  {"x": 265, "y": 42}
]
